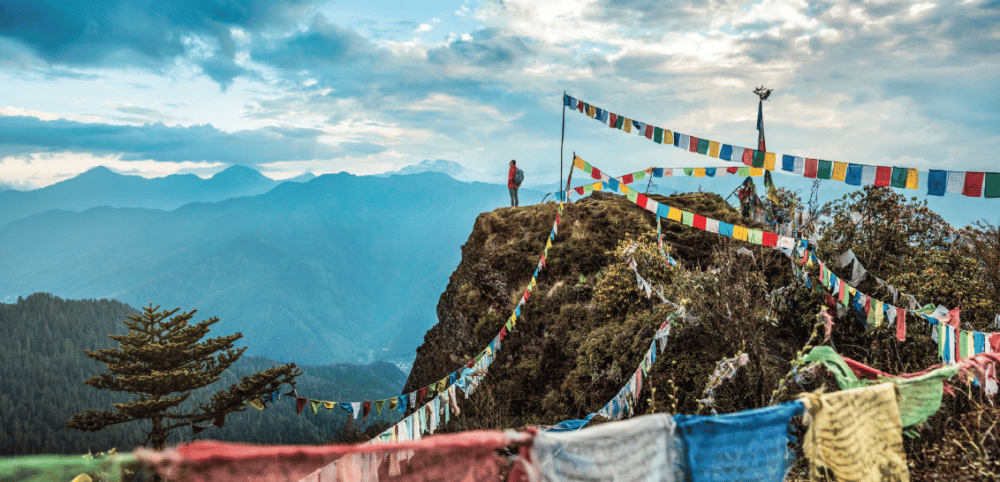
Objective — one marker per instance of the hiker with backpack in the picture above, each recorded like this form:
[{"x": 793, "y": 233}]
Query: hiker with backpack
[{"x": 514, "y": 179}]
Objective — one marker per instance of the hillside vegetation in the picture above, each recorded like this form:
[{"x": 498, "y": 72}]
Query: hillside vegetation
[{"x": 586, "y": 325}]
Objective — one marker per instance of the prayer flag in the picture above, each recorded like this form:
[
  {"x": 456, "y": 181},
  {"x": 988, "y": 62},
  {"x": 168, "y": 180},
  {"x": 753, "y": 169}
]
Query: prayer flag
[
  {"x": 649, "y": 131},
  {"x": 956, "y": 182},
  {"x": 973, "y": 184},
  {"x": 991, "y": 187},
  {"x": 756, "y": 171},
  {"x": 748, "y": 157},
  {"x": 811, "y": 168},
  {"x": 755, "y": 236},
  {"x": 853, "y": 174},
  {"x": 743, "y": 171},
  {"x": 769, "y": 160},
  {"x": 899, "y": 175},
  {"x": 868, "y": 175},
  {"x": 613, "y": 120},
  {"x": 713, "y": 149},
  {"x": 787, "y": 163},
  {"x": 912, "y": 178},
  {"x": 568, "y": 101},
  {"x": 699, "y": 172},
  {"x": 685, "y": 142},
  {"x": 675, "y": 214},
  {"x": 839, "y": 171},
  {"x": 883, "y": 176},
  {"x": 693, "y": 144},
  {"x": 703, "y": 146},
  {"x": 757, "y": 159},
  {"x": 739, "y": 232},
  {"x": 824, "y": 169},
  {"x": 710, "y": 171},
  {"x": 737, "y": 155},
  {"x": 726, "y": 152},
  {"x": 663, "y": 210},
  {"x": 687, "y": 218},
  {"x": 658, "y": 135},
  {"x": 770, "y": 239},
  {"x": 627, "y": 125},
  {"x": 698, "y": 221},
  {"x": 725, "y": 229}
]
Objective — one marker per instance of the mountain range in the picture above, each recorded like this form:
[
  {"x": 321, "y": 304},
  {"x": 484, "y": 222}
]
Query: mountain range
[{"x": 342, "y": 268}]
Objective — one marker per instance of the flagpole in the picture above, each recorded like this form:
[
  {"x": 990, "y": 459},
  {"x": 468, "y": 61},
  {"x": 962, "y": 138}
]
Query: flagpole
[{"x": 562, "y": 141}]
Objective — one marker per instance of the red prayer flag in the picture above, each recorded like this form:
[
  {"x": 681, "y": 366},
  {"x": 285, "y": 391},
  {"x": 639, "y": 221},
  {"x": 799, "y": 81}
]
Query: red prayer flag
[
  {"x": 543, "y": 260},
  {"x": 694, "y": 144},
  {"x": 595, "y": 173},
  {"x": 868, "y": 305},
  {"x": 770, "y": 239},
  {"x": 732, "y": 170},
  {"x": 503, "y": 333},
  {"x": 580, "y": 105},
  {"x": 649, "y": 132},
  {"x": 699, "y": 221},
  {"x": 641, "y": 200},
  {"x": 613, "y": 120},
  {"x": 811, "y": 168},
  {"x": 973, "y": 184},
  {"x": 557, "y": 214},
  {"x": 883, "y": 175},
  {"x": 420, "y": 395},
  {"x": 627, "y": 179},
  {"x": 367, "y": 408},
  {"x": 748, "y": 157},
  {"x": 579, "y": 190},
  {"x": 300, "y": 403}
]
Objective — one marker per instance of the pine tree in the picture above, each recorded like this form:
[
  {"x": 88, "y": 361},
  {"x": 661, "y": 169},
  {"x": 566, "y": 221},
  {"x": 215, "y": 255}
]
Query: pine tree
[{"x": 163, "y": 361}]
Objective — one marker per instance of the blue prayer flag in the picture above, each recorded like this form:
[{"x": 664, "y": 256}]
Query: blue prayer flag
[
  {"x": 788, "y": 163},
  {"x": 741, "y": 446},
  {"x": 677, "y": 138},
  {"x": 937, "y": 180},
  {"x": 853, "y": 175},
  {"x": 725, "y": 229},
  {"x": 569, "y": 101},
  {"x": 710, "y": 171},
  {"x": 657, "y": 172},
  {"x": 726, "y": 153},
  {"x": 662, "y": 210}
]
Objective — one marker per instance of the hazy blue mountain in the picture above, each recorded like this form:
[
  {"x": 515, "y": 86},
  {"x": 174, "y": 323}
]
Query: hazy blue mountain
[
  {"x": 304, "y": 177},
  {"x": 452, "y": 169},
  {"x": 102, "y": 187},
  {"x": 339, "y": 269}
]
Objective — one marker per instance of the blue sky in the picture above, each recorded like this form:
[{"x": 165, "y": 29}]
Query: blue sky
[{"x": 287, "y": 86}]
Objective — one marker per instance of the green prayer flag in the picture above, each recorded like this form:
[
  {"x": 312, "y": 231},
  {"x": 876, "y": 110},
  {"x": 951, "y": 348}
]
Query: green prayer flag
[
  {"x": 633, "y": 195},
  {"x": 658, "y": 135},
  {"x": 378, "y": 406},
  {"x": 393, "y": 403},
  {"x": 743, "y": 172},
  {"x": 758, "y": 159},
  {"x": 687, "y": 218},
  {"x": 755, "y": 236},
  {"x": 639, "y": 175},
  {"x": 619, "y": 122},
  {"x": 703, "y": 146},
  {"x": 314, "y": 405},
  {"x": 991, "y": 187},
  {"x": 898, "y": 178},
  {"x": 688, "y": 171},
  {"x": 510, "y": 326},
  {"x": 824, "y": 169}
]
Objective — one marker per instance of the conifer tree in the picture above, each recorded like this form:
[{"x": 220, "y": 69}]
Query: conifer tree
[{"x": 163, "y": 361}]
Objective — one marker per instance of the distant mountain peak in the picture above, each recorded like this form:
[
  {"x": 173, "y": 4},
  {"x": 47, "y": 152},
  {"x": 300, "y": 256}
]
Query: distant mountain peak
[
  {"x": 237, "y": 170},
  {"x": 98, "y": 171},
  {"x": 304, "y": 177},
  {"x": 452, "y": 169}
]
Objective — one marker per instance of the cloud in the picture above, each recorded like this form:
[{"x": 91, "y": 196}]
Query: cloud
[
  {"x": 147, "y": 33},
  {"x": 29, "y": 135}
]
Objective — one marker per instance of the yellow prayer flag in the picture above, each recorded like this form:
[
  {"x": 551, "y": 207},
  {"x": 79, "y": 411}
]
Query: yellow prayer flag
[
  {"x": 591, "y": 111},
  {"x": 627, "y": 125},
  {"x": 912, "y": 178},
  {"x": 756, "y": 171},
  {"x": 674, "y": 214},
  {"x": 839, "y": 171},
  {"x": 769, "y": 160},
  {"x": 623, "y": 188},
  {"x": 548, "y": 244},
  {"x": 328, "y": 405},
  {"x": 578, "y": 163},
  {"x": 699, "y": 172},
  {"x": 597, "y": 186},
  {"x": 257, "y": 403},
  {"x": 739, "y": 232},
  {"x": 668, "y": 137},
  {"x": 713, "y": 149}
]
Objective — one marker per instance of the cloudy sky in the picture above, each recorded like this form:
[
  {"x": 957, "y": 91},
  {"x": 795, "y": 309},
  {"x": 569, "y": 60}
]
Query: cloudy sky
[{"x": 288, "y": 86}]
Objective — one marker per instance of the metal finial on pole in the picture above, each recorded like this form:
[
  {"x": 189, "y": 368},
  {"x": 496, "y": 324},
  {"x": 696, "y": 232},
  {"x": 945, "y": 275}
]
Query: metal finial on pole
[{"x": 762, "y": 92}]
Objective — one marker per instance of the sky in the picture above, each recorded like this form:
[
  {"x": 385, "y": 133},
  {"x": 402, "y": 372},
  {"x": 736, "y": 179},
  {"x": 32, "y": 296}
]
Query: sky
[{"x": 288, "y": 86}]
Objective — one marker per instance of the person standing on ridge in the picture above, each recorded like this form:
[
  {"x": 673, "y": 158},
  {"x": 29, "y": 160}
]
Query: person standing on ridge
[{"x": 512, "y": 183}]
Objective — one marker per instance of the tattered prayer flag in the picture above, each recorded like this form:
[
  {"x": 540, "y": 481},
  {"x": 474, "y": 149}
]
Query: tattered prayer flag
[
  {"x": 824, "y": 169},
  {"x": 973, "y": 184},
  {"x": 900, "y": 324},
  {"x": 883, "y": 176},
  {"x": 378, "y": 406},
  {"x": 393, "y": 403},
  {"x": 713, "y": 149},
  {"x": 991, "y": 185},
  {"x": 314, "y": 405},
  {"x": 811, "y": 167},
  {"x": 420, "y": 395},
  {"x": 300, "y": 403},
  {"x": 366, "y": 408},
  {"x": 257, "y": 403}
]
